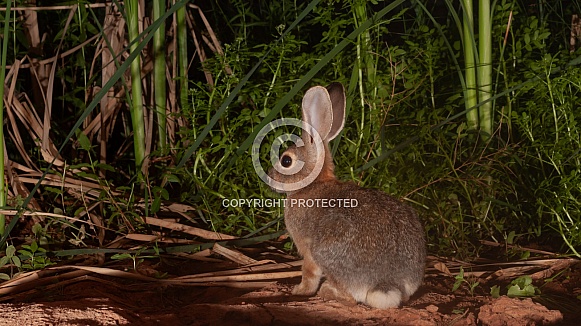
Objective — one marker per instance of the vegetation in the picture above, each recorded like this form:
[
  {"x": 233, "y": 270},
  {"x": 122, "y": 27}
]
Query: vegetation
[{"x": 474, "y": 127}]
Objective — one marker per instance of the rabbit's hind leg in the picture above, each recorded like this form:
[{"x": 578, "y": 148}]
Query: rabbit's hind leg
[{"x": 333, "y": 291}]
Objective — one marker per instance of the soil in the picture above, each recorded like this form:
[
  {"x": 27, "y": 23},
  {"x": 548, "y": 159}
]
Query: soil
[{"x": 95, "y": 299}]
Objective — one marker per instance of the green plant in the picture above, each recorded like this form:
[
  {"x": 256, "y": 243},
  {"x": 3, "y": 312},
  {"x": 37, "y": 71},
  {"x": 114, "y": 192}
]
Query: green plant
[
  {"x": 9, "y": 258},
  {"x": 522, "y": 287},
  {"x": 460, "y": 279},
  {"x": 137, "y": 258},
  {"x": 31, "y": 260}
]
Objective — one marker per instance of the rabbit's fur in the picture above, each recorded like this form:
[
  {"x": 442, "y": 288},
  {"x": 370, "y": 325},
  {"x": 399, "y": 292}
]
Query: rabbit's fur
[{"x": 373, "y": 253}]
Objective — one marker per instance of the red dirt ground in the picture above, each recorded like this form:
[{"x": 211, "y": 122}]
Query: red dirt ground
[{"x": 101, "y": 300}]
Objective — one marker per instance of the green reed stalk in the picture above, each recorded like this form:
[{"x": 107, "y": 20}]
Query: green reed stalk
[
  {"x": 2, "y": 78},
  {"x": 470, "y": 93},
  {"x": 364, "y": 61},
  {"x": 486, "y": 114},
  {"x": 182, "y": 55},
  {"x": 159, "y": 79},
  {"x": 136, "y": 88}
]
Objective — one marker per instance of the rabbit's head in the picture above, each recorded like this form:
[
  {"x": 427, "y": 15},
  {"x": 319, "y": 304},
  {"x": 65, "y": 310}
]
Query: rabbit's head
[{"x": 309, "y": 160}]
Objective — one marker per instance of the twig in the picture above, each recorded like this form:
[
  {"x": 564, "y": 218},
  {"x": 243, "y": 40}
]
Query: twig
[
  {"x": 234, "y": 256},
  {"x": 188, "y": 229}
]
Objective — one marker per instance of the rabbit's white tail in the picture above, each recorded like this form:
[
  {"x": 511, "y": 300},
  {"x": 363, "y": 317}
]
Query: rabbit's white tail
[{"x": 383, "y": 300}]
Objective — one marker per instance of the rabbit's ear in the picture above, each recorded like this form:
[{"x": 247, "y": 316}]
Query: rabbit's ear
[
  {"x": 317, "y": 111},
  {"x": 337, "y": 96}
]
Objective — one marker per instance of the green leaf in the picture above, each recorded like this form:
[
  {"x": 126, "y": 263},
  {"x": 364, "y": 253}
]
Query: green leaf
[
  {"x": 121, "y": 256},
  {"x": 10, "y": 251},
  {"x": 33, "y": 246},
  {"x": 516, "y": 291},
  {"x": 522, "y": 281},
  {"x": 79, "y": 166},
  {"x": 83, "y": 140},
  {"x": 4, "y": 260},
  {"x": 37, "y": 229},
  {"x": 57, "y": 191},
  {"x": 16, "y": 261},
  {"x": 495, "y": 291},
  {"x": 473, "y": 286},
  {"x": 88, "y": 175},
  {"x": 26, "y": 253},
  {"x": 4, "y": 277},
  {"x": 156, "y": 204},
  {"x": 105, "y": 167},
  {"x": 90, "y": 28},
  {"x": 456, "y": 285},
  {"x": 172, "y": 178},
  {"x": 459, "y": 279},
  {"x": 522, "y": 287},
  {"x": 510, "y": 237}
]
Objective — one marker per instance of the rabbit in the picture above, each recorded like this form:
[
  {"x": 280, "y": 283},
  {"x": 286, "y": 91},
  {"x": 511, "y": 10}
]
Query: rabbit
[{"x": 369, "y": 247}]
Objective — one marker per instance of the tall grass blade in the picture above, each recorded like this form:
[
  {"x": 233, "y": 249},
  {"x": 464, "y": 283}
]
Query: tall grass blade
[{"x": 2, "y": 79}]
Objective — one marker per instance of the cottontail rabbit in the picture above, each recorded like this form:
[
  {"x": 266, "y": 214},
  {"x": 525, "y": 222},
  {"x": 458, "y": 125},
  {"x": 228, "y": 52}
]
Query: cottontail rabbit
[{"x": 369, "y": 246}]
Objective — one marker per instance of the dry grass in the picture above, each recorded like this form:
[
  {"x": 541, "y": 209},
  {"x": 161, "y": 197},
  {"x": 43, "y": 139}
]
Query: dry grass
[
  {"x": 30, "y": 114},
  {"x": 257, "y": 274}
]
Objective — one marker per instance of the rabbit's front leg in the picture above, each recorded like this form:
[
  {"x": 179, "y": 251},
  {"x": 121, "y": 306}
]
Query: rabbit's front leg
[{"x": 312, "y": 274}]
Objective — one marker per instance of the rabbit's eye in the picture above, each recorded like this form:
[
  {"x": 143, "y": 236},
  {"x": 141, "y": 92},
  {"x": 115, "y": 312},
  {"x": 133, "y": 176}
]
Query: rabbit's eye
[{"x": 286, "y": 161}]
